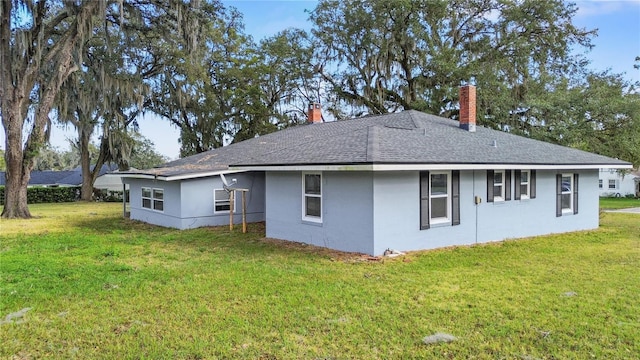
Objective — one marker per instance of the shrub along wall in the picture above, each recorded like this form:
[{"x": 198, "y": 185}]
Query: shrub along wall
[
  {"x": 105, "y": 195},
  {"x": 37, "y": 195},
  {"x": 42, "y": 194}
]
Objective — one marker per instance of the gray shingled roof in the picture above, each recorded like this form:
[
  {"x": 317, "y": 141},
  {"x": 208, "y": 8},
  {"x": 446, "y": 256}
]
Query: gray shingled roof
[
  {"x": 64, "y": 178},
  {"x": 408, "y": 137}
]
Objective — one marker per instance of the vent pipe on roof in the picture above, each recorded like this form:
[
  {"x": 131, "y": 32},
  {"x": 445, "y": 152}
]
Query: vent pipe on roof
[
  {"x": 314, "y": 113},
  {"x": 468, "y": 108}
]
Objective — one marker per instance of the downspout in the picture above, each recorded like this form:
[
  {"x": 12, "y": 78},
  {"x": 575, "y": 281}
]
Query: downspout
[
  {"x": 124, "y": 200},
  {"x": 475, "y": 202}
]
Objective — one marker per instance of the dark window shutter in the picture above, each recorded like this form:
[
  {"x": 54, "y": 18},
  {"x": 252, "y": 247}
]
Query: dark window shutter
[
  {"x": 532, "y": 184},
  {"x": 424, "y": 200},
  {"x": 575, "y": 193},
  {"x": 517, "y": 175},
  {"x": 489, "y": 185},
  {"x": 558, "y": 195},
  {"x": 455, "y": 197},
  {"x": 507, "y": 185}
]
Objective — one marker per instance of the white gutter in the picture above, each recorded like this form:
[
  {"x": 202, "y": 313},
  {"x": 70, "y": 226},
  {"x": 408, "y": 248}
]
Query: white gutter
[
  {"x": 182, "y": 176},
  {"x": 434, "y": 167}
]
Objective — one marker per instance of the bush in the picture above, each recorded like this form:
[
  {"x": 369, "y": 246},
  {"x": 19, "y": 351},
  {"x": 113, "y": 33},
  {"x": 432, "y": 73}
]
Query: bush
[
  {"x": 36, "y": 195},
  {"x": 105, "y": 195}
]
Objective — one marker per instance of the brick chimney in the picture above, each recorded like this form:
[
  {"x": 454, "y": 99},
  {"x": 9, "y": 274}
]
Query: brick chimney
[
  {"x": 314, "y": 113},
  {"x": 468, "y": 108}
]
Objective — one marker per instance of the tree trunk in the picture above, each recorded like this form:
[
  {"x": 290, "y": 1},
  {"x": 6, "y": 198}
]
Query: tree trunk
[
  {"x": 11, "y": 103},
  {"x": 13, "y": 93},
  {"x": 17, "y": 179},
  {"x": 86, "y": 193}
]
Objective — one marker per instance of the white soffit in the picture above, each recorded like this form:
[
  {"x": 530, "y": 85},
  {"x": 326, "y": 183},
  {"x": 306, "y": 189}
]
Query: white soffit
[
  {"x": 414, "y": 167},
  {"x": 182, "y": 176}
]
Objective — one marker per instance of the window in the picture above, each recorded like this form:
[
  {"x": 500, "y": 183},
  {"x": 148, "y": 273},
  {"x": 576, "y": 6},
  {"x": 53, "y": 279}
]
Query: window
[
  {"x": 498, "y": 185},
  {"x": 600, "y": 183},
  {"x": 567, "y": 194},
  {"x": 439, "y": 198},
  {"x": 612, "y": 184},
  {"x": 524, "y": 184},
  {"x": 146, "y": 198},
  {"x": 221, "y": 201},
  {"x": 525, "y": 187},
  {"x": 312, "y": 197},
  {"x": 439, "y": 190},
  {"x": 153, "y": 199}
]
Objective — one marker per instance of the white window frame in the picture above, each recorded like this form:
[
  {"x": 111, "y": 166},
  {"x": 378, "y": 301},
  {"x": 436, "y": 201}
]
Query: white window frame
[
  {"x": 600, "y": 183},
  {"x": 440, "y": 220},
  {"x": 527, "y": 183},
  {"x": 143, "y": 198},
  {"x": 216, "y": 201},
  {"x": 305, "y": 217},
  {"x": 568, "y": 210},
  {"x": 500, "y": 197},
  {"x": 152, "y": 198},
  {"x": 614, "y": 183}
]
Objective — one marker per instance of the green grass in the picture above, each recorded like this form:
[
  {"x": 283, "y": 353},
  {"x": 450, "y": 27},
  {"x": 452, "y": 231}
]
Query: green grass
[
  {"x": 612, "y": 203},
  {"x": 102, "y": 287}
]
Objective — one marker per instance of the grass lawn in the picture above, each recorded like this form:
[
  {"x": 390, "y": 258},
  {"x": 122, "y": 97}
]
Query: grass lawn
[
  {"x": 618, "y": 203},
  {"x": 103, "y": 287}
]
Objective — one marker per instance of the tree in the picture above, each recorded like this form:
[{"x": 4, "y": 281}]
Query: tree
[
  {"x": 231, "y": 89},
  {"x": 39, "y": 44},
  {"x": 53, "y": 158},
  {"x": 280, "y": 83},
  {"x": 384, "y": 56},
  {"x": 143, "y": 153},
  {"x": 381, "y": 57},
  {"x": 202, "y": 79},
  {"x": 120, "y": 61},
  {"x": 50, "y": 158},
  {"x": 600, "y": 114},
  {"x": 104, "y": 95}
]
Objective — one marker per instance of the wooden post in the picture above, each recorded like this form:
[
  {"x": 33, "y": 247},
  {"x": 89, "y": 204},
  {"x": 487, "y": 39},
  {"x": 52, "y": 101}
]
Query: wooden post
[
  {"x": 231, "y": 200},
  {"x": 124, "y": 200},
  {"x": 244, "y": 211}
]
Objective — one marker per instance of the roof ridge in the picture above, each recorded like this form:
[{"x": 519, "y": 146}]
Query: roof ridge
[{"x": 413, "y": 119}]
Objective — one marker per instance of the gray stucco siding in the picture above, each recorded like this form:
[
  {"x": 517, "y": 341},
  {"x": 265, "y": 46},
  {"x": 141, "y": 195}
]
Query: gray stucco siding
[
  {"x": 397, "y": 209},
  {"x": 190, "y": 203},
  {"x": 397, "y": 214},
  {"x": 515, "y": 219},
  {"x": 198, "y": 200},
  {"x": 169, "y": 217},
  {"x": 347, "y": 210},
  {"x": 369, "y": 212}
]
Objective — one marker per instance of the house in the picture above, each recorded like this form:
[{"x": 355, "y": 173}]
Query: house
[
  {"x": 53, "y": 178},
  {"x": 110, "y": 181},
  {"x": 47, "y": 178},
  {"x": 613, "y": 183},
  {"x": 403, "y": 181}
]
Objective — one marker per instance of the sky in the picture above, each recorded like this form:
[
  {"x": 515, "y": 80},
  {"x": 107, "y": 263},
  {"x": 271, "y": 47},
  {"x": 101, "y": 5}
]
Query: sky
[{"x": 616, "y": 46}]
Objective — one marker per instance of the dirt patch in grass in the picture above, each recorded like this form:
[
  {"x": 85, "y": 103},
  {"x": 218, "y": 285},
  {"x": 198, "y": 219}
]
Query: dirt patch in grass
[{"x": 334, "y": 255}]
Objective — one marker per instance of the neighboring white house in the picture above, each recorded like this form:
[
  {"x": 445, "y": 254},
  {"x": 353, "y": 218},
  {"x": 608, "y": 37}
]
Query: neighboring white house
[
  {"x": 403, "y": 181},
  {"x": 615, "y": 183},
  {"x": 110, "y": 181}
]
